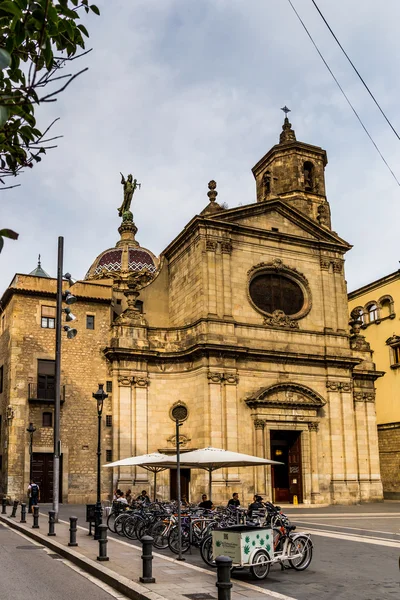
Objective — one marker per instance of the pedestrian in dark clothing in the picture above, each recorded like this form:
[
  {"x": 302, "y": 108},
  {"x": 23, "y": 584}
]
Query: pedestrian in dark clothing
[
  {"x": 257, "y": 504},
  {"x": 207, "y": 504},
  {"x": 234, "y": 502},
  {"x": 143, "y": 497},
  {"x": 33, "y": 494}
]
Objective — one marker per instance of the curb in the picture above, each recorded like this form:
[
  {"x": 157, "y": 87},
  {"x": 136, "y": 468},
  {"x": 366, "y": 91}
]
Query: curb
[{"x": 122, "y": 584}]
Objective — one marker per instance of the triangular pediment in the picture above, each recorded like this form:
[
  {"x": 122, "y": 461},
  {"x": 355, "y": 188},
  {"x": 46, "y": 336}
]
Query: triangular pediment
[
  {"x": 278, "y": 215},
  {"x": 286, "y": 395}
]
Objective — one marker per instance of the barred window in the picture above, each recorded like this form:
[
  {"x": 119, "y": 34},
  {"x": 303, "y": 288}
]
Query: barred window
[
  {"x": 109, "y": 386},
  {"x": 108, "y": 420},
  {"x": 272, "y": 291},
  {"x": 108, "y": 455}
]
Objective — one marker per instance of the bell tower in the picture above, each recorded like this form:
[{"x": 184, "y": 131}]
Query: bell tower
[{"x": 294, "y": 172}]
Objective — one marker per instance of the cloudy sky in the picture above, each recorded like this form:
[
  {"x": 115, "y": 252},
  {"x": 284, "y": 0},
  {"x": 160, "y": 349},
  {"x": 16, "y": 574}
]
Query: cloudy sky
[{"x": 179, "y": 92}]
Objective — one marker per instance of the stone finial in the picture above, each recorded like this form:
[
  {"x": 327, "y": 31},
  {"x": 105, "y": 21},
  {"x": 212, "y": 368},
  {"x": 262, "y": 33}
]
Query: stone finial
[
  {"x": 212, "y": 193},
  {"x": 287, "y": 135}
]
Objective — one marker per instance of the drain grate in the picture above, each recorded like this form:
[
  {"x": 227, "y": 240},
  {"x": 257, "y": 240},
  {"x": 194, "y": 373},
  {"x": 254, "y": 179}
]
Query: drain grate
[
  {"x": 29, "y": 547},
  {"x": 199, "y": 596},
  {"x": 55, "y": 556}
]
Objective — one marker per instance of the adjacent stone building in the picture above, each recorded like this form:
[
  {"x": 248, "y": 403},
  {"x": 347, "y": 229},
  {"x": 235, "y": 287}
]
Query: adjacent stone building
[
  {"x": 243, "y": 319},
  {"x": 374, "y": 306}
]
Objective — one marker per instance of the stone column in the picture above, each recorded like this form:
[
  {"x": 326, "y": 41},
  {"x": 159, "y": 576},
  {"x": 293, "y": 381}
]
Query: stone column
[
  {"x": 141, "y": 383},
  {"x": 226, "y": 249},
  {"x": 217, "y": 425},
  {"x": 376, "y": 490},
  {"x": 231, "y": 419},
  {"x": 259, "y": 425},
  {"x": 313, "y": 429},
  {"x": 211, "y": 247},
  {"x": 125, "y": 429},
  {"x": 338, "y": 486}
]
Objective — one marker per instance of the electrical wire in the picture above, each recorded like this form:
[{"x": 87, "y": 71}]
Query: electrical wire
[
  {"x": 343, "y": 92},
  {"x": 355, "y": 69}
]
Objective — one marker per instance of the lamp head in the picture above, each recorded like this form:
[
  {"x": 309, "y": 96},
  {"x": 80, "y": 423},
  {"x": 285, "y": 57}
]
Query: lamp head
[
  {"x": 100, "y": 396},
  {"x": 71, "y": 332},
  {"x": 69, "y": 298},
  {"x": 69, "y": 315},
  {"x": 69, "y": 278},
  {"x": 31, "y": 429}
]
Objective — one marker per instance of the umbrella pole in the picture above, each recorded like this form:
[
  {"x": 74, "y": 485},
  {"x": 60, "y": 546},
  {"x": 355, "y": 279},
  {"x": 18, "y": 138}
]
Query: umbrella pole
[
  {"x": 209, "y": 484},
  {"x": 155, "y": 485}
]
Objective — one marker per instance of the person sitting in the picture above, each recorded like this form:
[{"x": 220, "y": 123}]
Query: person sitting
[
  {"x": 184, "y": 501},
  {"x": 128, "y": 496},
  {"x": 257, "y": 504},
  {"x": 143, "y": 497},
  {"x": 120, "y": 497},
  {"x": 206, "y": 504},
  {"x": 234, "y": 502}
]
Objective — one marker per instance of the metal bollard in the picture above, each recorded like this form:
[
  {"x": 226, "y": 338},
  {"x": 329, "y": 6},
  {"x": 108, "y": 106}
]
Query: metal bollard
[
  {"x": 3, "y": 506},
  {"x": 35, "y": 517},
  {"x": 103, "y": 541},
  {"x": 147, "y": 557},
  {"x": 14, "y": 509},
  {"x": 224, "y": 564},
  {"x": 23, "y": 512},
  {"x": 52, "y": 522},
  {"x": 72, "y": 531}
]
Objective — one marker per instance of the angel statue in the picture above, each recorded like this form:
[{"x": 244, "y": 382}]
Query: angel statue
[{"x": 130, "y": 186}]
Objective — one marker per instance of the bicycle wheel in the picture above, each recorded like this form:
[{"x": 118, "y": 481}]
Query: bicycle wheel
[
  {"x": 159, "y": 533},
  {"x": 141, "y": 528},
  {"x": 119, "y": 522},
  {"x": 206, "y": 551},
  {"x": 173, "y": 544},
  {"x": 129, "y": 527},
  {"x": 111, "y": 521},
  {"x": 261, "y": 565},
  {"x": 301, "y": 546}
]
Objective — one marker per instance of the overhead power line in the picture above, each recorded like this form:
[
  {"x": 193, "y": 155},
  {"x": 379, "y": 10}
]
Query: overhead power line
[
  {"x": 343, "y": 92},
  {"x": 356, "y": 70}
]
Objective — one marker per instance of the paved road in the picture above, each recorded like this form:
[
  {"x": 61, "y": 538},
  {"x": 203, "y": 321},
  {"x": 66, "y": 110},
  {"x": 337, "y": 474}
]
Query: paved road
[
  {"x": 356, "y": 554},
  {"x": 31, "y": 572}
]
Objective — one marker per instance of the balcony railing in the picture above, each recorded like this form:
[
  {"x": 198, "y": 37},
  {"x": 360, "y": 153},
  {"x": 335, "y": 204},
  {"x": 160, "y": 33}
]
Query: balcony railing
[{"x": 44, "y": 395}]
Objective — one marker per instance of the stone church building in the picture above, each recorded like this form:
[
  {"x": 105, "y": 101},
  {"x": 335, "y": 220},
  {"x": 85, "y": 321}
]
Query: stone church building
[{"x": 243, "y": 319}]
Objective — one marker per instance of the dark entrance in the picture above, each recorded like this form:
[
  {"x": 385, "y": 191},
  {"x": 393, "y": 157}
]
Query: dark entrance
[
  {"x": 286, "y": 478},
  {"x": 185, "y": 483},
  {"x": 42, "y": 473}
]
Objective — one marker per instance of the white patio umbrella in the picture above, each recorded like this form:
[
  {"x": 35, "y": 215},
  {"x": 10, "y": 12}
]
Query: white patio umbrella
[
  {"x": 152, "y": 462},
  {"x": 211, "y": 459}
]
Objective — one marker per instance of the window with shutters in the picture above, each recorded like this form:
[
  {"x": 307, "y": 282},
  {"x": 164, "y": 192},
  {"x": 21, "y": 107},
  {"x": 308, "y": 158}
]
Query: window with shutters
[
  {"x": 47, "y": 419},
  {"x": 48, "y": 317},
  {"x": 46, "y": 379}
]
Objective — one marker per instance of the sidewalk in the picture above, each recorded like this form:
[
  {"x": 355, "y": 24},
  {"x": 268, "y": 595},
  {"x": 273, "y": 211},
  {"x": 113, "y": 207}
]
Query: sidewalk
[{"x": 174, "y": 580}]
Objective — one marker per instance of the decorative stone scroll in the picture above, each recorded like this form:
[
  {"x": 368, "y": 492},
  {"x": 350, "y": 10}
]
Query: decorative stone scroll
[
  {"x": 364, "y": 396},
  {"x": 338, "y": 386},
  {"x": 259, "y": 424},
  {"x": 140, "y": 381},
  {"x": 226, "y": 247},
  {"x": 313, "y": 426},
  {"x": 227, "y": 378},
  {"x": 231, "y": 378},
  {"x": 214, "y": 377},
  {"x": 124, "y": 381},
  {"x": 279, "y": 319},
  {"x": 211, "y": 245},
  {"x": 326, "y": 262}
]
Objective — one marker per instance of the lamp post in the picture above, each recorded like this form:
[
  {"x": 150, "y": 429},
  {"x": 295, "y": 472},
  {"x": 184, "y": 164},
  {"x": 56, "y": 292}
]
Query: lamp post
[
  {"x": 31, "y": 430},
  {"x": 99, "y": 396},
  {"x": 179, "y": 413}
]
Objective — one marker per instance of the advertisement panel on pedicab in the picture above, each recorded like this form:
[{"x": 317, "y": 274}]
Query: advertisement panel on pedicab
[{"x": 239, "y": 542}]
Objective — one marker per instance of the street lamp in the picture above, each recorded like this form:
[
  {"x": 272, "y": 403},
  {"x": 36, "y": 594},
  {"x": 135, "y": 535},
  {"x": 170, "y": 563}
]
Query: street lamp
[
  {"x": 31, "y": 430},
  {"x": 99, "y": 396},
  {"x": 179, "y": 413}
]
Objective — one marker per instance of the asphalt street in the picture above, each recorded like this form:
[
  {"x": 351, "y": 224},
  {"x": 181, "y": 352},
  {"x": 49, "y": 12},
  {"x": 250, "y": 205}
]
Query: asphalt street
[
  {"x": 29, "y": 571},
  {"x": 356, "y": 553}
]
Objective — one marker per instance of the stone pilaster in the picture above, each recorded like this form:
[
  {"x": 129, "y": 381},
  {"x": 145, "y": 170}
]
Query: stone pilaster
[
  {"x": 141, "y": 426},
  {"x": 125, "y": 426},
  {"x": 226, "y": 249},
  {"x": 313, "y": 429},
  {"x": 217, "y": 424},
  {"x": 231, "y": 419},
  {"x": 211, "y": 248},
  {"x": 259, "y": 425}
]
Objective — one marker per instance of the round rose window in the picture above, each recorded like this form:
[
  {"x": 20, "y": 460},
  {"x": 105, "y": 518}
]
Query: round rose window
[{"x": 273, "y": 291}]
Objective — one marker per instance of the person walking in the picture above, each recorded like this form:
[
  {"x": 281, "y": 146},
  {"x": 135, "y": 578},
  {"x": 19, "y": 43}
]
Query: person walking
[{"x": 33, "y": 494}]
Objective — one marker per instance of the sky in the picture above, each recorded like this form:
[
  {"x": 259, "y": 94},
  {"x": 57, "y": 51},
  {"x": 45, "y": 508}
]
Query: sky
[{"x": 180, "y": 92}]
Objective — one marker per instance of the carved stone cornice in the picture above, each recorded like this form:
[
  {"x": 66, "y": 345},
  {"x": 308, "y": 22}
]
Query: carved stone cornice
[
  {"x": 338, "y": 386},
  {"x": 124, "y": 381},
  {"x": 313, "y": 426},
  {"x": 140, "y": 381},
  {"x": 259, "y": 424},
  {"x": 360, "y": 396}
]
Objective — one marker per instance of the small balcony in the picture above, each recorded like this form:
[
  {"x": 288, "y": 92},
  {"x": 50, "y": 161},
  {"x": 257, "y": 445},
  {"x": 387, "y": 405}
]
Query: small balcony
[{"x": 43, "y": 395}]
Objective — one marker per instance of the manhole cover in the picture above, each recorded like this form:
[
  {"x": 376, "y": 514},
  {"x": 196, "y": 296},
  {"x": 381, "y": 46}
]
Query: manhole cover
[
  {"x": 199, "y": 596},
  {"x": 55, "y": 556},
  {"x": 30, "y": 547}
]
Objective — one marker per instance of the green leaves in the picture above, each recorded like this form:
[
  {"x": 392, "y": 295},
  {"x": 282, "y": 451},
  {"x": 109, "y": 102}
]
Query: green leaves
[
  {"x": 3, "y": 115},
  {"x": 5, "y": 59},
  {"x": 8, "y": 233}
]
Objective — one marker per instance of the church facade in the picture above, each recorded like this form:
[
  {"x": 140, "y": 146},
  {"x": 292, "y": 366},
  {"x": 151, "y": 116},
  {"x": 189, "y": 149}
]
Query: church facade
[{"x": 243, "y": 319}]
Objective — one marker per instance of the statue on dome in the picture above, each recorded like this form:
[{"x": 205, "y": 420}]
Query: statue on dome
[{"x": 130, "y": 185}]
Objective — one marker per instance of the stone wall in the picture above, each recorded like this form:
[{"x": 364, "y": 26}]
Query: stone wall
[{"x": 389, "y": 454}]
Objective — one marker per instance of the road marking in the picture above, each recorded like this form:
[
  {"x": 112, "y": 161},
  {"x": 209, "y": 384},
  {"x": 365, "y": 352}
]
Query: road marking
[
  {"x": 343, "y": 527},
  {"x": 387, "y": 515},
  {"x": 355, "y": 538}
]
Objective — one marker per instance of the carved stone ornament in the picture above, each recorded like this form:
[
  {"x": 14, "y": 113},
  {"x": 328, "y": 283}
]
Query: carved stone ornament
[
  {"x": 214, "y": 377},
  {"x": 338, "y": 386},
  {"x": 124, "y": 381},
  {"x": 259, "y": 424},
  {"x": 279, "y": 319},
  {"x": 231, "y": 379},
  {"x": 359, "y": 396},
  {"x": 358, "y": 342},
  {"x": 211, "y": 245},
  {"x": 286, "y": 395},
  {"x": 313, "y": 427},
  {"x": 226, "y": 247},
  {"x": 325, "y": 262},
  {"x": 337, "y": 266},
  {"x": 140, "y": 381},
  {"x": 184, "y": 440}
]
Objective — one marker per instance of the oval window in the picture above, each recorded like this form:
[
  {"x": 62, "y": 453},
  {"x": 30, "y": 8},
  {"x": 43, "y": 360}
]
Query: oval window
[{"x": 272, "y": 291}]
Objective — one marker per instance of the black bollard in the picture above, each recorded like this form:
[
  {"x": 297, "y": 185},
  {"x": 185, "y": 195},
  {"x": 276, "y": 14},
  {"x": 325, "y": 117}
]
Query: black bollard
[
  {"x": 52, "y": 522},
  {"x": 223, "y": 584},
  {"x": 103, "y": 541},
  {"x": 23, "y": 512},
  {"x": 3, "y": 506},
  {"x": 14, "y": 509},
  {"x": 35, "y": 517},
  {"x": 72, "y": 531},
  {"x": 147, "y": 557}
]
